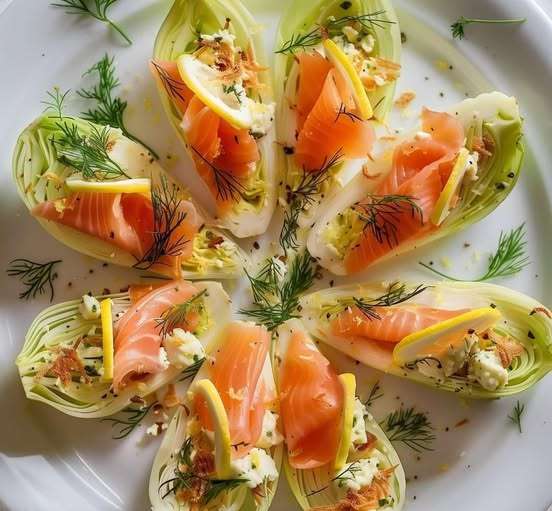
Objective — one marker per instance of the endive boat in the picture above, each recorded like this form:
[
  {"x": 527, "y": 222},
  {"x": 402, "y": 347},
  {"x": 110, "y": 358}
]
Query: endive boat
[
  {"x": 93, "y": 357},
  {"x": 336, "y": 67},
  {"x": 223, "y": 447},
  {"x": 102, "y": 194},
  {"x": 448, "y": 174},
  {"x": 477, "y": 340},
  {"x": 337, "y": 455},
  {"x": 208, "y": 65}
]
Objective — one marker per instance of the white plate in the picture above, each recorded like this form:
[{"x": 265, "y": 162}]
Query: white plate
[{"x": 50, "y": 461}]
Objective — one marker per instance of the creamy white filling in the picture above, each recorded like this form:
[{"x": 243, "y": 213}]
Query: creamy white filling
[
  {"x": 183, "y": 348},
  {"x": 256, "y": 467},
  {"x": 89, "y": 308}
]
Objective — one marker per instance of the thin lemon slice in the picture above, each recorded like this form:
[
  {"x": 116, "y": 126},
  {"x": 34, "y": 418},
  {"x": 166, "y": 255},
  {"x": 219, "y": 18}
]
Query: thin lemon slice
[
  {"x": 345, "y": 67},
  {"x": 444, "y": 202},
  {"x": 138, "y": 185},
  {"x": 348, "y": 383},
  {"x": 436, "y": 339},
  {"x": 107, "y": 339},
  {"x": 223, "y": 446},
  {"x": 207, "y": 85}
]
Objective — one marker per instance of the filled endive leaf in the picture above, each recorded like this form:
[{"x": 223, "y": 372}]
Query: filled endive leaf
[
  {"x": 209, "y": 67},
  {"x": 223, "y": 448},
  {"x": 336, "y": 67},
  {"x": 451, "y": 173},
  {"x": 337, "y": 454},
  {"x": 477, "y": 340},
  {"x": 71, "y": 360},
  {"x": 102, "y": 194}
]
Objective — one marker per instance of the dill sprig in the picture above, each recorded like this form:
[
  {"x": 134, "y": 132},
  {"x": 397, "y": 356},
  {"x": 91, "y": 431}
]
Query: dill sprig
[
  {"x": 351, "y": 115},
  {"x": 381, "y": 215},
  {"x": 346, "y": 474},
  {"x": 374, "y": 394},
  {"x": 275, "y": 304},
  {"x": 99, "y": 11},
  {"x": 265, "y": 284},
  {"x": 192, "y": 370},
  {"x": 517, "y": 412},
  {"x": 231, "y": 89},
  {"x": 457, "y": 28},
  {"x": 167, "y": 218},
  {"x": 176, "y": 89},
  {"x": 228, "y": 186},
  {"x": 109, "y": 110},
  {"x": 411, "y": 428},
  {"x": 303, "y": 195},
  {"x": 185, "y": 478},
  {"x": 396, "y": 293},
  {"x": 510, "y": 257},
  {"x": 127, "y": 424},
  {"x": 35, "y": 276},
  {"x": 176, "y": 315},
  {"x": 56, "y": 101},
  {"x": 299, "y": 41},
  {"x": 88, "y": 154}
]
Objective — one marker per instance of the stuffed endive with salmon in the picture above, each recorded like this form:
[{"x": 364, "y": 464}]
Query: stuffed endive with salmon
[
  {"x": 477, "y": 340},
  {"x": 336, "y": 68},
  {"x": 102, "y": 194},
  {"x": 94, "y": 356},
  {"x": 337, "y": 455},
  {"x": 209, "y": 67},
  {"x": 223, "y": 447},
  {"x": 450, "y": 173}
]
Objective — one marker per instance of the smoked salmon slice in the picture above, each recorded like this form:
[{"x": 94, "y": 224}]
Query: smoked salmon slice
[
  {"x": 332, "y": 127},
  {"x": 420, "y": 170},
  {"x": 311, "y": 401},
  {"x": 137, "y": 335},
  {"x": 167, "y": 72},
  {"x": 393, "y": 325},
  {"x": 125, "y": 220},
  {"x": 235, "y": 369}
]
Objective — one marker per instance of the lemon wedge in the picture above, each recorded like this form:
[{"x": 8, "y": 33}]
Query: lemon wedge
[
  {"x": 138, "y": 185},
  {"x": 205, "y": 82},
  {"x": 107, "y": 338},
  {"x": 223, "y": 446},
  {"x": 345, "y": 67},
  {"x": 348, "y": 383},
  {"x": 436, "y": 340},
  {"x": 444, "y": 202}
]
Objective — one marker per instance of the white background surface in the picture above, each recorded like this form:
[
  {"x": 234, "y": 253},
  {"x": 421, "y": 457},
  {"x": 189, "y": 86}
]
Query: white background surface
[{"x": 50, "y": 461}]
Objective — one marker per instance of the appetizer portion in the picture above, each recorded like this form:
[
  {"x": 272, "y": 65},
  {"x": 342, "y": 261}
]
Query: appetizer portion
[
  {"x": 102, "y": 194},
  {"x": 223, "y": 447},
  {"x": 478, "y": 340},
  {"x": 337, "y": 455},
  {"x": 217, "y": 94},
  {"x": 454, "y": 171},
  {"x": 92, "y": 357},
  {"x": 336, "y": 67}
]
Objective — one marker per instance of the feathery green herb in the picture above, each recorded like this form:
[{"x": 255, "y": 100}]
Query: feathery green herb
[
  {"x": 109, "y": 110},
  {"x": 346, "y": 474},
  {"x": 88, "y": 154},
  {"x": 97, "y": 9},
  {"x": 457, "y": 28},
  {"x": 411, "y": 428},
  {"x": 374, "y": 394},
  {"x": 35, "y": 276},
  {"x": 276, "y": 301},
  {"x": 56, "y": 101},
  {"x": 517, "y": 412},
  {"x": 127, "y": 424},
  {"x": 192, "y": 370},
  {"x": 176, "y": 316},
  {"x": 510, "y": 257}
]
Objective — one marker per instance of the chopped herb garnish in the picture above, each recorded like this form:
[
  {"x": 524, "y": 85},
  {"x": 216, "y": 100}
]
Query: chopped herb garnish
[
  {"x": 127, "y": 424},
  {"x": 411, "y": 428},
  {"x": 56, "y": 101},
  {"x": 192, "y": 370},
  {"x": 374, "y": 394},
  {"x": 177, "y": 315},
  {"x": 457, "y": 28},
  {"x": 35, "y": 276},
  {"x": 99, "y": 11},
  {"x": 517, "y": 412},
  {"x": 510, "y": 257}
]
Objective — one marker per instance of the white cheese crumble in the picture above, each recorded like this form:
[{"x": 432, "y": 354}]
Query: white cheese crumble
[
  {"x": 163, "y": 359},
  {"x": 270, "y": 435},
  {"x": 262, "y": 115},
  {"x": 485, "y": 368},
  {"x": 472, "y": 166},
  {"x": 359, "y": 476},
  {"x": 358, "y": 436},
  {"x": 222, "y": 36},
  {"x": 256, "y": 467},
  {"x": 183, "y": 348},
  {"x": 89, "y": 308},
  {"x": 367, "y": 44}
]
